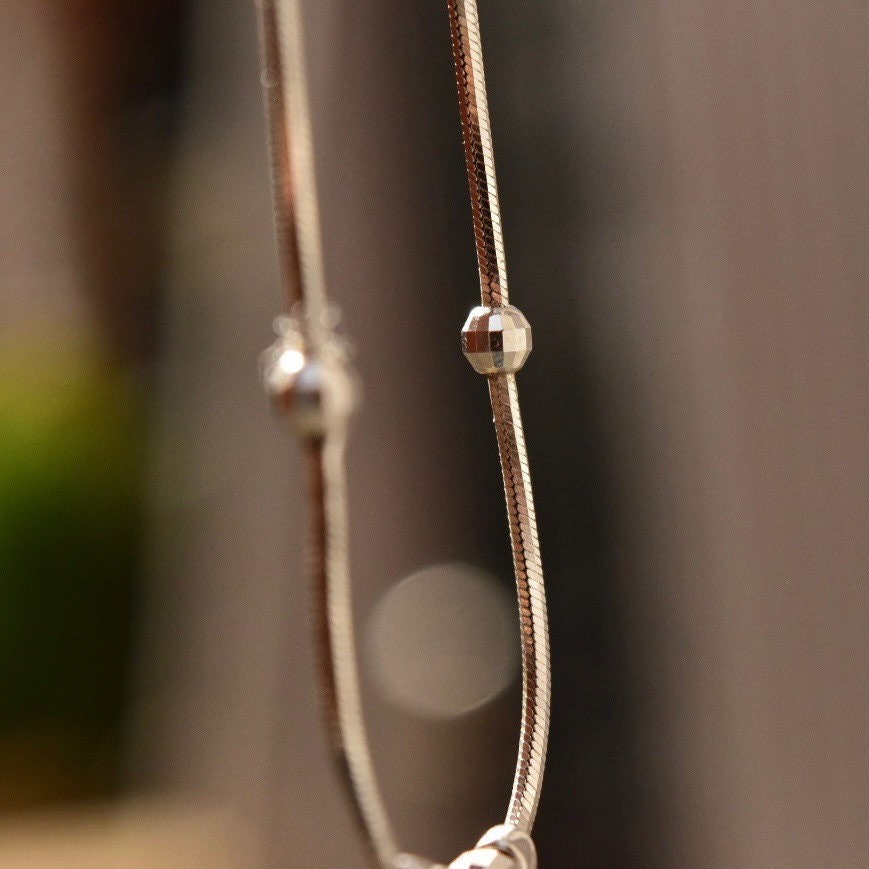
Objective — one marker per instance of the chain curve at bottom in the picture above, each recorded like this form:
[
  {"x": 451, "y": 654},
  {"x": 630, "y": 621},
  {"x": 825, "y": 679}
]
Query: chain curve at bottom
[{"x": 534, "y": 630}]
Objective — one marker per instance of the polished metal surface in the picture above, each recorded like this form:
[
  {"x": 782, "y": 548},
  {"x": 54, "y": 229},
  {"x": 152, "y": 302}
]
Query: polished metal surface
[
  {"x": 293, "y": 178},
  {"x": 496, "y": 340},
  {"x": 479, "y": 156},
  {"x": 315, "y": 392},
  {"x": 534, "y": 630},
  {"x": 279, "y": 146},
  {"x": 502, "y": 847},
  {"x": 511, "y": 841},
  {"x": 306, "y": 375},
  {"x": 483, "y": 858}
]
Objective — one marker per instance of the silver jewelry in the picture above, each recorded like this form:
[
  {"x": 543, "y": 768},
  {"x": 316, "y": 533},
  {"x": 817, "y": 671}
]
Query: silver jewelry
[
  {"x": 497, "y": 340},
  {"x": 307, "y": 375}
]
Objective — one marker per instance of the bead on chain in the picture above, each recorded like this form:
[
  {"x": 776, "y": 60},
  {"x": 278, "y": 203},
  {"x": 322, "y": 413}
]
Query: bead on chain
[
  {"x": 316, "y": 392},
  {"x": 496, "y": 340},
  {"x": 308, "y": 378}
]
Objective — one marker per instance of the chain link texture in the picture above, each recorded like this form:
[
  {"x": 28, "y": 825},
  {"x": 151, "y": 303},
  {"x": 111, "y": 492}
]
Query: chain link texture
[
  {"x": 298, "y": 233},
  {"x": 534, "y": 630},
  {"x": 479, "y": 157}
]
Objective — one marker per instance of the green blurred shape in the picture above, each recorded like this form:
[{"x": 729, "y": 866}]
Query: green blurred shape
[{"x": 71, "y": 460}]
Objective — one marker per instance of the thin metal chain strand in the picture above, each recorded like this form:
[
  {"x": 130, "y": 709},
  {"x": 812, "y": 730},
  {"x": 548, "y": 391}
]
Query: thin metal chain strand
[
  {"x": 329, "y": 574},
  {"x": 479, "y": 156},
  {"x": 345, "y": 664},
  {"x": 532, "y": 602},
  {"x": 294, "y": 180},
  {"x": 299, "y": 240},
  {"x": 279, "y": 149}
]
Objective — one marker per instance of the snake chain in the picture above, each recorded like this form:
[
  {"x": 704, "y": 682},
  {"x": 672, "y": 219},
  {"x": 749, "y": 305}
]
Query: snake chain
[
  {"x": 479, "y": 158},
  {"x": 299, "y": 243},
  {"x": 293, "y": 178}
]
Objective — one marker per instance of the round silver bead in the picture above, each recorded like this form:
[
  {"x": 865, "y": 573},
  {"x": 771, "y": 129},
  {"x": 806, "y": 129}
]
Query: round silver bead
[
  {"x": 496, "y": 340},
  {"x": 316, "y": 394}
]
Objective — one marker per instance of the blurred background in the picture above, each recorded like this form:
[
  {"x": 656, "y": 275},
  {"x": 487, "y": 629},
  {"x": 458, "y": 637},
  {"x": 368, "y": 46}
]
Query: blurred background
[{"x": 684, "y": 190}]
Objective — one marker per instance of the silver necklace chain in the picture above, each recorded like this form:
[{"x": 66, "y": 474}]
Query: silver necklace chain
[
  {"x": 497, "y": 339},
  {"x": 307, "y": 377}
]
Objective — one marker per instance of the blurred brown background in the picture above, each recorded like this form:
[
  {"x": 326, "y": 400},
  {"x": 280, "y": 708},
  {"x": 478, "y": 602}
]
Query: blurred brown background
[{"x": 684, "y": 188}]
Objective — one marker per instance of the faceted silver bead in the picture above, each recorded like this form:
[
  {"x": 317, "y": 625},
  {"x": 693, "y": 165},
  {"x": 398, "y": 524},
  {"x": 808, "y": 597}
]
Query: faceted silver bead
[{"x": 496, "y": 340}]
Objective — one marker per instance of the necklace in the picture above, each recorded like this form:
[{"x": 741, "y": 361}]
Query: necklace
[{"x": 307, "y": 376}]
